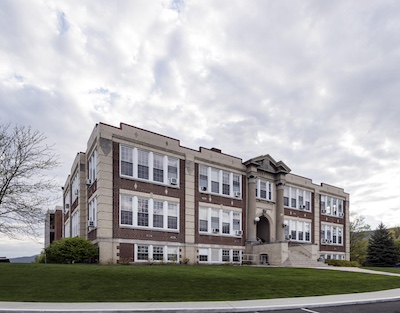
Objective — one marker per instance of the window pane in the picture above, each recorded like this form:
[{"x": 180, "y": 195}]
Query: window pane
[
  {"x": 126, "y": 210},
  {"x": 215, "y": 180},
  {"x": 203, "y": 179},
  {"x": 158, "y": 214},
  {"x": 126, "y": 161},
  {"x": 143, "y": 212},
  {"x": 172, "y": 215},
  {"x": 143, "y": 253},
  {"x": 158, "y": 166},
  {"x": 236, "y": 183},
  {"x": 172, "y": 168},
  {"x": 225, "y": 183},
  {"x": 158, "y": 253},
  {"x": 143, "y": 164}
]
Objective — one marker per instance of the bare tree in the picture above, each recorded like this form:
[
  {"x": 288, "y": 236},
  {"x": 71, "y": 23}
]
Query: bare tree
[{"x": 25, "y": 189}]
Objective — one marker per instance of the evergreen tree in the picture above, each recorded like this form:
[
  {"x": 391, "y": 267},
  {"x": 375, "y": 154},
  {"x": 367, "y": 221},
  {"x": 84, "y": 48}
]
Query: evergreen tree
[{"x": 381, "y": 248}]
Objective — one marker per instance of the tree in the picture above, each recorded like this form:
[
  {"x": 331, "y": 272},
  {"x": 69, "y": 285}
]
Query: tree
[
  {"x": 24, "y": 188},
  {"x": 358, "y": 242},
  {"x": 71, "y": 250},
  {"x": 381, "y": 248}
]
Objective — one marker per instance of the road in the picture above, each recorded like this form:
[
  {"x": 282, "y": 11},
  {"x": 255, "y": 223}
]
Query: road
[{"x": 380, "y": 307}]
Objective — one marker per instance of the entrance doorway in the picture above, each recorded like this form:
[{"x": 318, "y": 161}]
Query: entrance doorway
[{"x": 263, "y": 230}]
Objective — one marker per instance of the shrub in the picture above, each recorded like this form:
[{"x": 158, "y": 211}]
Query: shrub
[
  {"x": 342, "y": 263},
  {"x": 71, "y": 250}
]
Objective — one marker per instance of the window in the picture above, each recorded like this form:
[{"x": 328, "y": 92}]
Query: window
[
  {"x": 158, "y": 214},
  {"x": 66, "y": 202},
  {"x": 203, "y": 217},
  {"x": 158, "y": 168},
  {"x": 143, "y": 212},
  {"x": 225, "y": 255},
  {"x": 264, "y": 190},
  {"x": 298, "y": 230},
  {"x": 172, "y": 254},
  {"x": 226, "y": 222},
  {"x": 126, "y": 210},
  {"x": 332, "y": 206},
  {"x": 172, "y": 215},
  {"x": 226, "y": 187},
  {"x": 126, "y": 161},
  {"x": 214, "y": 181},
  {"x": 143, "y": 253},
  {"x": 93, "y": 211},
  {"x": 331, "y": 234},
  {"x": 219, "y": 182},
  {"x": 218, "y": 221},
  {"x": 152, "y": 213},
  {"x": 212, "y": 255},
  {"x": 296, "y": 198},
  {"x": 75, "y": 186},
  {"x": 141, "y": 164},
  {"x": 75, "y": 224},
  {"x": 158, "y": 253},
  {"x": 67, "y": 230},
  {"x": 215, "y": 220},
  {"x": 92, "y": 166}
]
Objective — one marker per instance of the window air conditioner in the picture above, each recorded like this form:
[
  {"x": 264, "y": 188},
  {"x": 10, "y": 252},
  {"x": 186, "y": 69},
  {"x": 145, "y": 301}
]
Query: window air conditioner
[
  {"x": 203, "y": 188},
  {"x": 323, "y": 241},
  {"x": 91, "y": 223},
  {"x": 215, "y": 230},
  {"x": 67, "y": 205},
  {"x": 341, "y": 214},
  {"x": 323, "y": 211},
  {"x": 238, "y": 233},
  {"x": 330, "y": 241},
  {"x": 237, "y": 194},
  {"x": 88, "y": 182},
  {"x": 76, "y": 192},
  {"x": 173, "y": 181},
  {"x": 288, "y": 237}
]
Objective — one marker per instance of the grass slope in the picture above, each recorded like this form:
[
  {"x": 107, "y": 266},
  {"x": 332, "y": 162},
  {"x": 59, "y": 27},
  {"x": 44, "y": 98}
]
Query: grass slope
[{"x": 94, "y": 283}]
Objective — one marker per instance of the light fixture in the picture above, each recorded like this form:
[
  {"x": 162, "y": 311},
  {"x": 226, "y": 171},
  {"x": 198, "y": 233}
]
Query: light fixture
[{"x": 256, "y": 220}]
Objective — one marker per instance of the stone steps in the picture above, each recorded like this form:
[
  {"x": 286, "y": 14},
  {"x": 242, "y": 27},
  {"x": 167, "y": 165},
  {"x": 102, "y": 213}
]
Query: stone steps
[{"x": 297, "y": 259}]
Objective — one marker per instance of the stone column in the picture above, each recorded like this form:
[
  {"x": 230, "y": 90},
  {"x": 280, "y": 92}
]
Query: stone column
[
  {"x": 280, "y": 213},
  {"x": 251, "y": 209}
]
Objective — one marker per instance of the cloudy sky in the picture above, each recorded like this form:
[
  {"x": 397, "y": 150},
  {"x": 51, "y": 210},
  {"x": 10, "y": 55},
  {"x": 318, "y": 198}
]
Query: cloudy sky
[{"x": 312, "y": 83}]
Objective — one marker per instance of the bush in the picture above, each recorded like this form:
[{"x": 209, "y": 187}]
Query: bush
[
  {"x": 71, "y": 250},
  {"x": 342, "y": 263}
]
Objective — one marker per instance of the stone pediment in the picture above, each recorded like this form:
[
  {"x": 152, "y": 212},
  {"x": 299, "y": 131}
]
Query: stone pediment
[{"x": 268, "y": 164}]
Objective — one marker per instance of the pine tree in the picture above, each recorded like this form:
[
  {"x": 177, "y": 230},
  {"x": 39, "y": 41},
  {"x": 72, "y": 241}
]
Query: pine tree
[{"x": 381, "y": 248}]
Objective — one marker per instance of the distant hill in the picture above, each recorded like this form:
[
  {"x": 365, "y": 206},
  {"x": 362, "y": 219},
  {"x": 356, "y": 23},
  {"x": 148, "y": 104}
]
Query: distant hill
[{"x": 24, "y": 259}]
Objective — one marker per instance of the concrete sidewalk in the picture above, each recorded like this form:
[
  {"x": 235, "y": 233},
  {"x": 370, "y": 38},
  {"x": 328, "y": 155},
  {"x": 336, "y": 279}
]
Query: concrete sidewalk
[{"x": 217, "y": 306}]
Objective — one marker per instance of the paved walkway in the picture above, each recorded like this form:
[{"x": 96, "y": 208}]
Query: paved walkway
[{"x": 218, "y": 306}]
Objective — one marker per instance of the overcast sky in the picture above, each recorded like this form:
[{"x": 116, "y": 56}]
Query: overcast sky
[{"x": 312, "y": 83}]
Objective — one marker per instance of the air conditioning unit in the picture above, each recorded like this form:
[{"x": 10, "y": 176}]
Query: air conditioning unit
[
  {"x": 330, "y": 241},
  {"x": 288, "y": 237},
  {"x": 173, "y": 181},
  {"x": 203, "y": 188},
  {"x": 215, "y": 230},
  {"x": 323, "y": 241},
  {"x": 76, "y": 192},
  {"x": 67, "y": 205},
  {"x": 302, "y": 207},
  {"x": 238, "y": 232},
  {"x": 237, "y": 194},
  {"x": 341, "y": 214},
  {"x": 323, "y": 211},
  {"x": 88, "y": 182},
  {"x": 91, "y": 223}
]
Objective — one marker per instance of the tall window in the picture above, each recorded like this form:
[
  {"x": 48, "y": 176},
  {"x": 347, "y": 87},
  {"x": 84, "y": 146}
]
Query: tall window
[
  {"x": 75, "y": 224},
  {"x": 158, "y": 168},
  {"x": 143, "y": 212},
  {"x": 126, "y": 161},
  {"x": 93, "y": 211},
  {"x": 237, "y": 186},
  {"x": 215, "y": 220},
  {"x": 172, "y": 169},
  {"x": 126, "y": 210},
  {"x": 92, "y": 166},
  {"x": 75, "y": 186},
  {"x": 158, "y": 214},
  {"x": 67, "y": 230},
  {"x": 297, "y": 230},
  {"x": 143, "y": 164},
  {"x": 226, "y": 222},
  {"x": 203, "y": 220},
  {"x": 214, "y": 180},
  {"x": 226, "y": 187},
  {"x": 172, "y": 215},
  {"x": 203, "y": 179}
]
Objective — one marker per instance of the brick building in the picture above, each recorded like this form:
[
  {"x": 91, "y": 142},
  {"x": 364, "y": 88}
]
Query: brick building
[{"x": 141, "y": 196}]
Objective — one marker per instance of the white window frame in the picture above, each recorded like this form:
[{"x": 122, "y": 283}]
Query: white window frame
[
  {"x": 293, "y": 193},
  {"x": 219, "y": 255},
  {"x": 92, "y": 168},
  {"x": 329, "y": 231},
  {"x": 168, "y": 162},
  {"x": 269, "y": 190},
  {"x": 222, "y": 215},
  {"x": 166, "y": 249},
  {"x": 75, "y": 223},
  {"x": 332, "y": 206},
  {"x": 292, "y": 229},
  {"x": 92, "y": 216},
  {"x": 216, "y": 175},
  {"x": 166, "y": 211}
]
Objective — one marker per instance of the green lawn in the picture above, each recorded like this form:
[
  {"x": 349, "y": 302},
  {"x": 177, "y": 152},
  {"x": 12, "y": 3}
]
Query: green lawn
[{"x": 95, "y": 283}]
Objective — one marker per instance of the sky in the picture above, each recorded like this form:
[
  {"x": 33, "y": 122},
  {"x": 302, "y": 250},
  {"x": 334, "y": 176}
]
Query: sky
[{"x": 312, "y": 83}]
